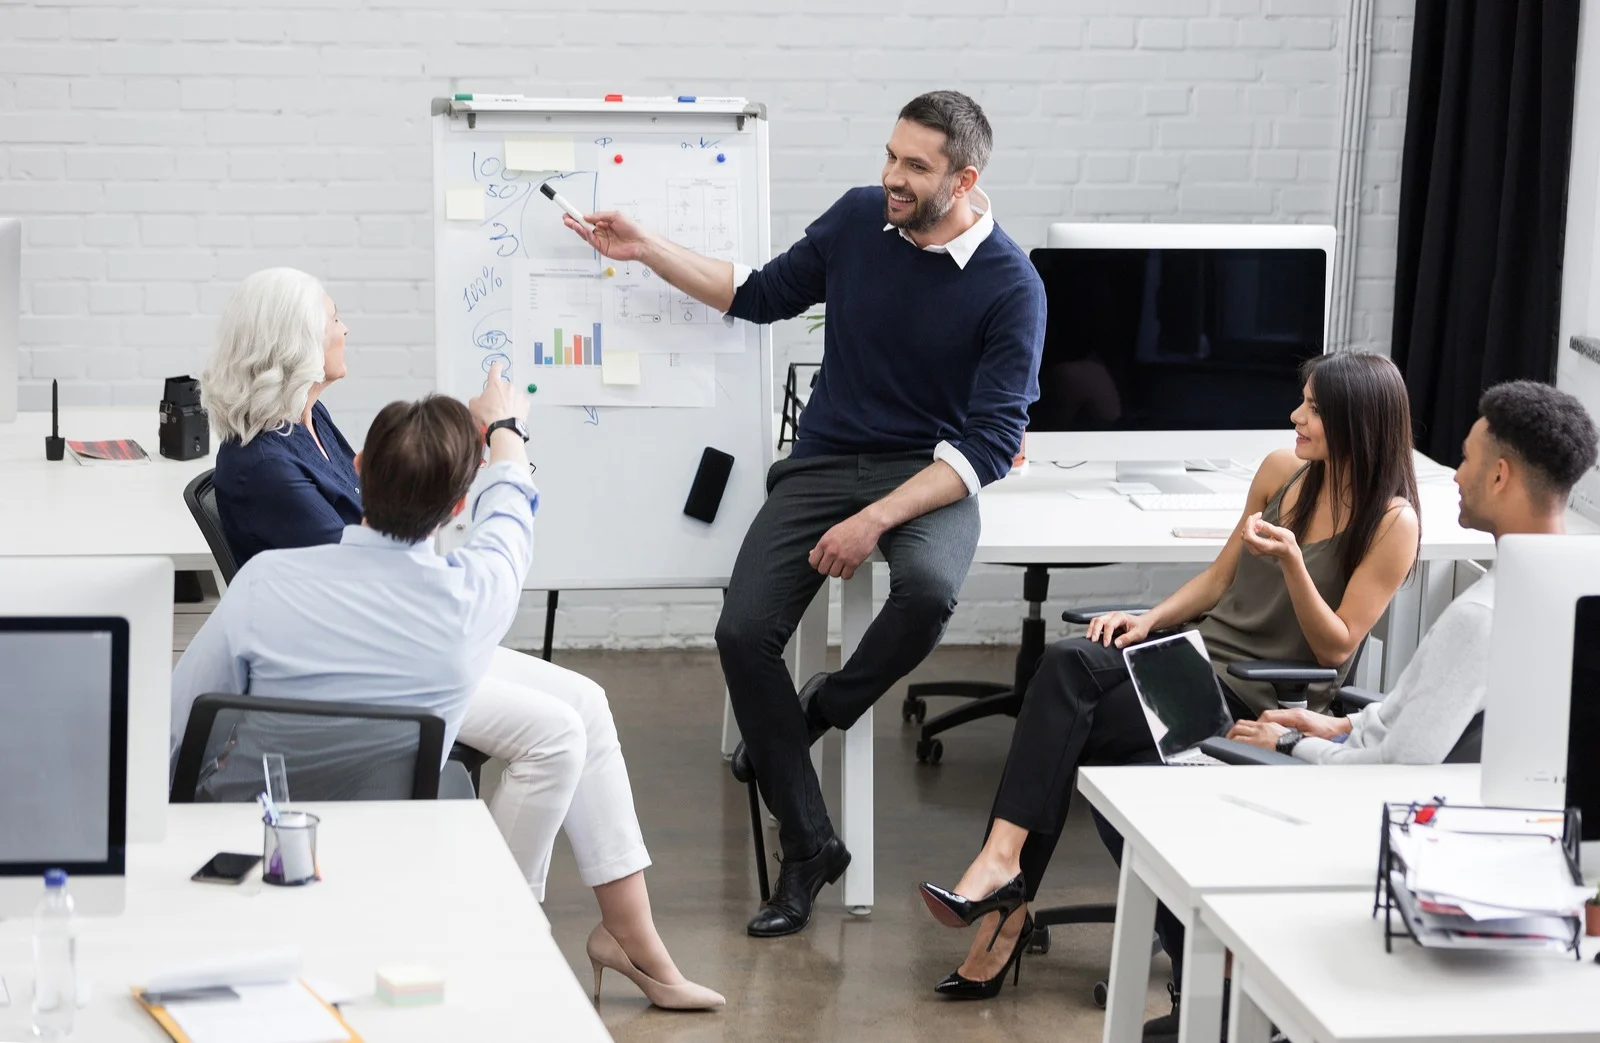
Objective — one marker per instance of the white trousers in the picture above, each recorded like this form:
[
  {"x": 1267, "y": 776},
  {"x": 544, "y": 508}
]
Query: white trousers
[{"x": 564, "y": 767}]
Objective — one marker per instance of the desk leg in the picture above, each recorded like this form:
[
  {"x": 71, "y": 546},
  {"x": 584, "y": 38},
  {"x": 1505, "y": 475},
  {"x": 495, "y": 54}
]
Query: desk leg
[
  {"x": 1246, "y": 1022},
  {"x": 1200, "y": 1014},
  {"x": 1130, "y": 954},
  {"x": 856, "y": 783}
]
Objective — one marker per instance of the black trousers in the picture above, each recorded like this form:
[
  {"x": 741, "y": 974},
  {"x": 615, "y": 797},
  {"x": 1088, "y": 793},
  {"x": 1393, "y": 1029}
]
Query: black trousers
[
  {"x": 771, "y": 586},
  {"x": 1080, "y": 708}
]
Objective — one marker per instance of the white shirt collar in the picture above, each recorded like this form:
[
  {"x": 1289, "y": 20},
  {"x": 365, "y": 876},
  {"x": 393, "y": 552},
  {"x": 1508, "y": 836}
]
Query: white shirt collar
[
  {"x": 366, "y": 536},
  {"x": 963, "y": 246}
]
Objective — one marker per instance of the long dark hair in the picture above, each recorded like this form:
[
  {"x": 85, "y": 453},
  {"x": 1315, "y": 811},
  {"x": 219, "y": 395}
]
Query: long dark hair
[{"x": 1366, "y": 417}]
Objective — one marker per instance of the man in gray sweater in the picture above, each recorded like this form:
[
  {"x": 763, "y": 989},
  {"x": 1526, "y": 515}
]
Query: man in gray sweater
[{"x": 1530, "y": 445}]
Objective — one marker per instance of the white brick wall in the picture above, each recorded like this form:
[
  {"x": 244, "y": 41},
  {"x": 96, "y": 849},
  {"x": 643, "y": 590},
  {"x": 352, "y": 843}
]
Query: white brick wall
[{"x": 161, "y": 151}]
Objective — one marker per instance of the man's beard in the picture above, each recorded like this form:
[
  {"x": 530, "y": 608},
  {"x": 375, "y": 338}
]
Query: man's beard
[{"x": 926, "y": 212}]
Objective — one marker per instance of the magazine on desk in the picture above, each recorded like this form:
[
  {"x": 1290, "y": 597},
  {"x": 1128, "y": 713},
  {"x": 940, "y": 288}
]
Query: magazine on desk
[{"x": 115, "y": 451}]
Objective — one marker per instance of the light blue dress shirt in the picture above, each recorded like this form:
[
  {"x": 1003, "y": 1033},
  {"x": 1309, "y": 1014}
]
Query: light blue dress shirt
[{"x": 371, "y": 619}]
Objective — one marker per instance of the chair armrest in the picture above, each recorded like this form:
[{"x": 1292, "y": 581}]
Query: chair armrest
[
  {"x": 1355, "y": 698},
  {"x": 1084, "y": 616},
  {"x": 1231, "y": 751},
  {"x": 1282, "y": 671}
]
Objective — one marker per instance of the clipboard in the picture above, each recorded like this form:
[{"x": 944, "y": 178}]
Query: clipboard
[{"x": 167, "y": 1022}]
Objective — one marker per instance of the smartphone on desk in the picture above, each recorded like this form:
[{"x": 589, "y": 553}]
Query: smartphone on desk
[{"x": 226, "y": 867}]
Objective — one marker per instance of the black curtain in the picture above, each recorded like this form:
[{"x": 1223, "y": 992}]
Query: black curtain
[{"x": 1483, "y": 189}]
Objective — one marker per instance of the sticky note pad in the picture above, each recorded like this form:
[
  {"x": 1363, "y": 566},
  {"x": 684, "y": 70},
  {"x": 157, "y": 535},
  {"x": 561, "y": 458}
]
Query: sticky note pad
[
  {"x": 463, "y": 204},
  {"x": 541, "y": 154},
  {"x": 619, "y": 367},
  {"x": 410, "y": 986}
]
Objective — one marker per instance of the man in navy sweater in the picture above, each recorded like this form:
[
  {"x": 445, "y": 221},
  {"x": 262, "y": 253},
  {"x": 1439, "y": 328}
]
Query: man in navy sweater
[{"x": 930, "y": 362}]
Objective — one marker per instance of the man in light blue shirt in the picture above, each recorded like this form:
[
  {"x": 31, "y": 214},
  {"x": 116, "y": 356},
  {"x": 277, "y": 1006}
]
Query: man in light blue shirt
[{"x": 378, "y": 617}]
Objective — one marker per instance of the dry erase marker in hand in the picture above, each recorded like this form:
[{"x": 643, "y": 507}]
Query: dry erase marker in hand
[{"x": 559, "y": 200}]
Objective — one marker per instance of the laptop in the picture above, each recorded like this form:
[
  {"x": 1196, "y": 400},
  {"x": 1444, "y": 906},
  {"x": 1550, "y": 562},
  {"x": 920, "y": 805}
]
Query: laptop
[{"x": 1182, "y": 701}]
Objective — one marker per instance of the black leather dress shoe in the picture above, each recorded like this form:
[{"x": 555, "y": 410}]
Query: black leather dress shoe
[
  {"x": 816, "y": 728},
  {"x": 789, "y": 908}
]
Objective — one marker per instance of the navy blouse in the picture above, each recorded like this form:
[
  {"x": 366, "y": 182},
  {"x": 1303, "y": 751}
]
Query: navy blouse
[{"x": 279, "y": 491}]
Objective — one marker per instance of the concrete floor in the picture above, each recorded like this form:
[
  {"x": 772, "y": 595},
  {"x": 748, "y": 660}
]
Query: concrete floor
[{"x": 844, "y": 978}]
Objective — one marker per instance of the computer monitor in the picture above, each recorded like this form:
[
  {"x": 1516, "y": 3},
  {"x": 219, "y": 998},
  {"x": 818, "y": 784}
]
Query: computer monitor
[
  {"x": 63, "y": 759},
  {"x": 1172, "y": 342},
  {"x": 10, "y": 308},
  {"x": 1541, "y": 722},
  {"x": 139, "y": 590}
]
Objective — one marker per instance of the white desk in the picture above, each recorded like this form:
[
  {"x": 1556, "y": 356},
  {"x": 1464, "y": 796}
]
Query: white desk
[
  {"x": 422, "y": 882},
  {"x": 60, "y": 507},
  {"x": 1035, "y": 516},
  {"x": 1314, "y": 965},
  {"x": 1183, "y": 842}
]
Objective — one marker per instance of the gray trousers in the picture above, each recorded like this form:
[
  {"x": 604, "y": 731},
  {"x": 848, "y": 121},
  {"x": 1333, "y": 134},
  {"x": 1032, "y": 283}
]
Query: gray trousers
[{"x": 773, "y": 583}]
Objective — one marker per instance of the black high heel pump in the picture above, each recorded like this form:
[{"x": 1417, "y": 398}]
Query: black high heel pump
[
  {"x": 955, "y": 987},
  {"x": 952, "y": 910}
]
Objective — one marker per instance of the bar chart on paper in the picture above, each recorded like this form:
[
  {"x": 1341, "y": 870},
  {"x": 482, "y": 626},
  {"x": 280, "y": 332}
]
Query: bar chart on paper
[{"x": 574, "y": 349}]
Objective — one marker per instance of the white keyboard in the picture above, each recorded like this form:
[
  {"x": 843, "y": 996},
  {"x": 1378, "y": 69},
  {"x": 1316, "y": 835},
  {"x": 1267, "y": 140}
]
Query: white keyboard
[{"x": 1186, "y": 501}]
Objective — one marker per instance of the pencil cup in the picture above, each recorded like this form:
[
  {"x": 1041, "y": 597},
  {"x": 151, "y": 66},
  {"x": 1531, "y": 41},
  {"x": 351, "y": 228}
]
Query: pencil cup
[{"x": 289, "y": 853}]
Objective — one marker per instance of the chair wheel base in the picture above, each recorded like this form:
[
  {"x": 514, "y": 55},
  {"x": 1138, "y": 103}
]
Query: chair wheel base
[
  {"x": 930, "y": 751},
  {"x": 1039, "y": 944},
  {"x": 914, "y": 708},
  {"x": 1101, "y": 993}
]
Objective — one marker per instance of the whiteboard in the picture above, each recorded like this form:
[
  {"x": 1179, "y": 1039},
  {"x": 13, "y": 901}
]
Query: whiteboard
[{"x": 615, "y": 462}]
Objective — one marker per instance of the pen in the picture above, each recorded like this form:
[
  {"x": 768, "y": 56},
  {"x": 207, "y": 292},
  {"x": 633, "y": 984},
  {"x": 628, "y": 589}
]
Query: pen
[
  {"x": 559, "y": 200},
  {"x": 1262, "y": 809},
  {"x": 489, "y": 97},
  {"x": 639, "y": 97}
]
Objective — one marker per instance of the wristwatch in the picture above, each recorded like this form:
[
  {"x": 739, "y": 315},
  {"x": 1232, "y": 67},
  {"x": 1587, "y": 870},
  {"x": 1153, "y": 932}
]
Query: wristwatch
[
  {"x": 512, "y": 422},
  {"x": 1288, "y": 740}
]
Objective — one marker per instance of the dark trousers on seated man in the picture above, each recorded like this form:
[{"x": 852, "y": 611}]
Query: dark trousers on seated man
[{"x": 773, "y": 582}]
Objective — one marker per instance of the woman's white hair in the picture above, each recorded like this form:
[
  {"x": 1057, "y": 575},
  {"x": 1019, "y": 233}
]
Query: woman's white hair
[{"x": 269, "y": 353}]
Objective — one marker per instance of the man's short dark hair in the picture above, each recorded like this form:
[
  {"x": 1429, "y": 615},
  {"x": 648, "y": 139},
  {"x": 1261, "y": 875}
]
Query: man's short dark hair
[
  {"x": 1545, "y": 429},
  {"x": 416, "y": 465},
  {"x": 967, "y": 137}
]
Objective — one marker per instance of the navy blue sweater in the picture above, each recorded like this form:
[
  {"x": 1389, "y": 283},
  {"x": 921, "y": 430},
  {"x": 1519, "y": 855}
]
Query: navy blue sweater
[
  {"x": 279, "y": 491},
  {"x": 916, "y": 350}
]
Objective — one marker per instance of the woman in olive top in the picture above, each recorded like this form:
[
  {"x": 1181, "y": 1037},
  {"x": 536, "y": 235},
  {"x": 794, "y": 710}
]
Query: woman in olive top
[{"x": 1329, "y": 533}]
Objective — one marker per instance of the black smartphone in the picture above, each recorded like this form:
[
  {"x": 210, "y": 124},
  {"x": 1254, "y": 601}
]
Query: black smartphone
[
  {"x": 705, "y": 495},
  {"x": 226, "y": 868}
]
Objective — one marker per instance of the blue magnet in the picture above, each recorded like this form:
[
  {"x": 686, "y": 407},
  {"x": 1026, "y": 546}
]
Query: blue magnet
[{"x": 721, "y": 158}]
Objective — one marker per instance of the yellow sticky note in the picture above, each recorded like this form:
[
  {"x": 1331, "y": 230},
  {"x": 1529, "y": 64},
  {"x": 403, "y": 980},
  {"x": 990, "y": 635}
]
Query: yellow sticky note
[
  {"x": 619, "y": 367},
  {"x": 463, "y": 204},
  {"x": 540, "y": 154}
]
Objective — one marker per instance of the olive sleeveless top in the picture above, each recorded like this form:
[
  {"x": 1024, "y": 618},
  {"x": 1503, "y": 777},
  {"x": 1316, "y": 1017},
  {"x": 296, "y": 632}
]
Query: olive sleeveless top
[{"x": 1255, "y": 618}]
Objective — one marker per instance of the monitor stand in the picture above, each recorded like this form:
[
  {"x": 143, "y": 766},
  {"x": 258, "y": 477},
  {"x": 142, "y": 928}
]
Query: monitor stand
[{"x": 1166, "y": 475}]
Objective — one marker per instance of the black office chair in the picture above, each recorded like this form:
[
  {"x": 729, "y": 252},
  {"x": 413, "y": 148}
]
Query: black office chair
[
  {"x": 200, "y": 496},
  {"x": 201, "y": 499},
  {"x": 331, "y": 751},
  {"x": 988, "y": 698}
]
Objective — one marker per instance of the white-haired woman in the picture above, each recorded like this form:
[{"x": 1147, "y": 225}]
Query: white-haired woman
[{"x": 285, "y": 477}]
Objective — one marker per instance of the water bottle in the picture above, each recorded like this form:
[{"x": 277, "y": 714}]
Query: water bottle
[{"x": 55, "y": 970}]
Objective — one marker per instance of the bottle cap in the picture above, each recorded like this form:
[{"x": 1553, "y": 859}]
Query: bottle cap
[{"x": 54, "y": 878}]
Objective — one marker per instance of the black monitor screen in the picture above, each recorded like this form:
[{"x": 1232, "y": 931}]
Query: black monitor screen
[
  {"x": 1583, "y": 718},
  {"x": 63, "y": 744},
  {"x": 1185, "y": 340}
]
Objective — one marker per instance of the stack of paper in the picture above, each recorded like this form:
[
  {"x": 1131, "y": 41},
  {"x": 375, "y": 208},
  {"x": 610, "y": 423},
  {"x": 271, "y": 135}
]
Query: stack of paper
[{"x": 1485, "y": 878}]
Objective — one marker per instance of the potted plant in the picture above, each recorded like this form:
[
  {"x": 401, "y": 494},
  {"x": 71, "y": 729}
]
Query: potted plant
[{"x": 1591, "y": 915}]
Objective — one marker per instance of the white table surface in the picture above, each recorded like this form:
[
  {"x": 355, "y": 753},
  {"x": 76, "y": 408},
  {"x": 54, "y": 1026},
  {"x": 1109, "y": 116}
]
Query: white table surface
[
  {"x": 404, "y": 882},
  {"x": 1314, "y": 965},
  {"x": 1184, "y": 839},
  {"x": 1035, "y": 516},
  {"x": 58, "y": 507}
]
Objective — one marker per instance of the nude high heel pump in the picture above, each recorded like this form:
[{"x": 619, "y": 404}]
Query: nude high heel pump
[{"x": 606, "y": 952}]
